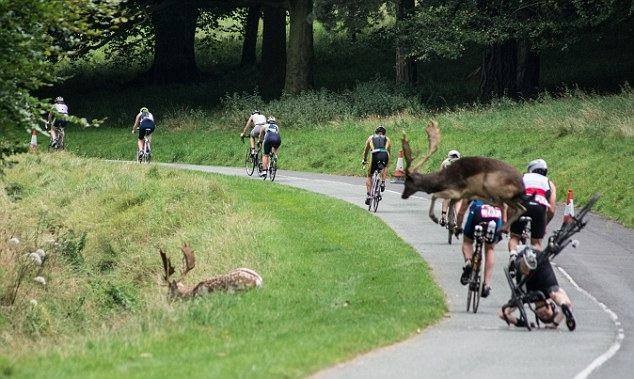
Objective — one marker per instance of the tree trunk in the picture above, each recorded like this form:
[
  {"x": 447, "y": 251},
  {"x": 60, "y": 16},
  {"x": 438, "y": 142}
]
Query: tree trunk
[
  {"x": 250, "y": 36},
  {"x": 498, "y": 76},
  {"x": 406, "y": 71},
  {"x": 300, "y": 59},
  {"x": 528, "y": 62},
  {"x": 273, "y": 60},
  {"x": 174, "y": 55}
]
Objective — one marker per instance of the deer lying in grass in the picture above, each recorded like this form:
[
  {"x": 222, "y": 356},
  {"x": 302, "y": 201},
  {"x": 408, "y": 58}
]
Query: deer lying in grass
[
  {"x": 467, "y": 178},
  {"x": 237, "y": 280}
]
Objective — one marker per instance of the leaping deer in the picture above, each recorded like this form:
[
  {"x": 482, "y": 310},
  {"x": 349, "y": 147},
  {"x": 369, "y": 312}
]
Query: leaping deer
[
  {"x": 467, "y": 178},
  {"x": 237, "y": 280}
]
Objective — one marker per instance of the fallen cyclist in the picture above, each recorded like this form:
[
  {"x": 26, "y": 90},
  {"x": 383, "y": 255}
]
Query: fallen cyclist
[{"x": 547, "y": 300}]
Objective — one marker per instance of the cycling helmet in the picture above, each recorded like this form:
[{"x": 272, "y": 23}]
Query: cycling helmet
[
  {"x": 144, "y": 110},
  {"x": 454, "y": 154},
  {"x": 538, "y": 166},
  {"x": 528, "y": 258},
  {"x": 271, "y": 120},
  {"x": 59, "y": 99},
  {"x": 255, "y": 112},
  {"x": 380, "y": 129}
]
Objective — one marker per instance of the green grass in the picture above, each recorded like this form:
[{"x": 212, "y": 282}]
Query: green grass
[
  {"x": 587, "y": 141},
  {"x": 337, "y": 281}
]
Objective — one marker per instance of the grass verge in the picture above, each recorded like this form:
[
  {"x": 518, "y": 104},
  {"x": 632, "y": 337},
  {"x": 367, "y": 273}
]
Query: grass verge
[
  {"x": 330, "y": 291},
  {"x": 587, "y": 141}
]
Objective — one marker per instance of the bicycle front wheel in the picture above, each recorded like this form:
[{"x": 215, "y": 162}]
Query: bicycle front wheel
[{"x": 249, "y": 163}]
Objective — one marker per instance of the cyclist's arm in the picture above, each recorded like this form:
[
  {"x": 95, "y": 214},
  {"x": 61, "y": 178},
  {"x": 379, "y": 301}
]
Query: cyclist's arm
[
  {"x": 246, "y": 126},
  {"x": 366, "y": 149},
  {"x": 550, "y": 212},
  {"x": 137, "y": 119}
]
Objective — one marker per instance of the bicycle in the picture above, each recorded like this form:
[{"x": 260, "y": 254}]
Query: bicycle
[
  {"x": 57, "y": 143},
  {"x": 557, "y": 242},
  {"x": 375, "y": 188},
  {"x": 251, "y": 161},
  {"x": 272, "y": 166},
  {"x": 474, "y": 285},
  {"x": 145, "y": 155}
]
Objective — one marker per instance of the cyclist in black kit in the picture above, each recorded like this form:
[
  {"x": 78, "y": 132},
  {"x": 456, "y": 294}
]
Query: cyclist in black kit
[{"x": 379, "y": 144}]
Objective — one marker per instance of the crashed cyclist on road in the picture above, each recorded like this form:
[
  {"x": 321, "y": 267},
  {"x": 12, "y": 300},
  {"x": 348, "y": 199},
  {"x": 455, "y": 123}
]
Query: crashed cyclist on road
[{"x": 379, "y": 144}]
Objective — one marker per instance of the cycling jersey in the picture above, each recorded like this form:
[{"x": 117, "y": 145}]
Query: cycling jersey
[
  {"x": 480, "y": 212},
  {"x": 539, "y": 186},
  {"x": 258, "y": 119},
  {"x": 271, "y": 128},
  {"x": 378, "y": 143},
  {"x": 272, "y": 138}
]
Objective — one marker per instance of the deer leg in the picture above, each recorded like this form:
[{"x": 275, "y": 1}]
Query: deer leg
[
  {"x": 518, "y": 210},
  {"x": 431, "y": 209}
]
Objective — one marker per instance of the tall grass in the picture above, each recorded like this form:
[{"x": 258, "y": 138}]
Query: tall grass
[{"x": 327, "y": 296}]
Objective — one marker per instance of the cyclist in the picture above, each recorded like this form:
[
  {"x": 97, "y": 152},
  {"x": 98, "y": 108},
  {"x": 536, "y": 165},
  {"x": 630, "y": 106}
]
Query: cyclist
[
  {"x": 270, "y": 134},
  {"x": 379, "y": 144},
  {"x": 144, "y": 121},
  {"x": 256, "y": 121},
  {"x": 452, "y": 156},
  {"x": 480, "y": 212},
  {"x": 57, "y": 123},
  {"x": 540, "y": 205},
  {"x": 541, "y": 278}
]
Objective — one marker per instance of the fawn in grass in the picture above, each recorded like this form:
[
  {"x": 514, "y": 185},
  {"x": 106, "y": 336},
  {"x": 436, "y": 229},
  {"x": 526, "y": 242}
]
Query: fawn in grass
[{"x": 239, "y": 279}]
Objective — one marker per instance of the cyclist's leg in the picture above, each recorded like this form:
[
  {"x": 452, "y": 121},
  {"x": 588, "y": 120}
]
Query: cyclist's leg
[
  {"x": 443, "y": 214},
  {"x": 139, "y": 141},
  {"x": 265, "y": 155},
  {"x": 489, "y": 263}
]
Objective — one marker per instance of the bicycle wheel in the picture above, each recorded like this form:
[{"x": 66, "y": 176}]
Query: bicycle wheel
[
  {"x": 477, "y": 292},
  {"x": 469, "y": 295},
  {"x": 376, "y": 192},
  {"x": 273, "y": 167},
  {"x": 249, "y": 163}
]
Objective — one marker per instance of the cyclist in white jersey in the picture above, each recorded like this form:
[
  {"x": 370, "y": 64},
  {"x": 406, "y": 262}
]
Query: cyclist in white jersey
[
  {"x": 144, "y": 121},
  {"x": 256, "y": 121},
  {"x": 452, "y": 156},
  {"x": 270, "y": 135},
  {"x": 54, "y": 120}
]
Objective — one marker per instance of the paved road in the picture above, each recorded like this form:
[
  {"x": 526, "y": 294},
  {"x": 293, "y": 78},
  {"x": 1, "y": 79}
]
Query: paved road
[{"x": 480, "y": 345}]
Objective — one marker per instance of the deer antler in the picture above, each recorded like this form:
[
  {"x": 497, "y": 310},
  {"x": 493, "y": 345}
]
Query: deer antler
[
  {"x": 433, "y": 135},
  {"x": 189, "y": 259},
  {"x": 168, "y": 269},
  {"x": 407, "y": 152}
]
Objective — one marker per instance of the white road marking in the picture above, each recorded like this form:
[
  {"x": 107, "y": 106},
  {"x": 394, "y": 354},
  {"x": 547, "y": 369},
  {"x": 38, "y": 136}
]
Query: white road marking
[{"x": 620, "y": 334}]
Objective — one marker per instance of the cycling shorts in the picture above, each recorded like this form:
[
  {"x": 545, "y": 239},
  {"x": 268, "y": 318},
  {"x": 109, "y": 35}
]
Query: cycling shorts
[
  {"x": 543, "y": 279},
  {"x": 479, "y": 213},
  {"x": 537, "y": 213},
  {"x": 146, "y": 128},
  {"x": 271, "y": 140},
  {"x": 255, "y": 132},
  {"x": 379, "y": 157}
]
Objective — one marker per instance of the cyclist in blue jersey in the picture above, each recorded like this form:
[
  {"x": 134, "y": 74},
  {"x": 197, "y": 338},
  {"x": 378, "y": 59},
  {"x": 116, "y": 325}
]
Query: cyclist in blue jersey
[
  {"x": 379, "y": 144},
  {"x": 144, "y": 121},
  {"x": 270, "y": 135},
  {"x": 480, "y": 212}
]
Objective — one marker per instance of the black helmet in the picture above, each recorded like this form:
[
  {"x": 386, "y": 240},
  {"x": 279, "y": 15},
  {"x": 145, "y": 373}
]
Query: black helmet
[
  {"x": 255, "y": 112},
  {"x": 380, "y": 129}
]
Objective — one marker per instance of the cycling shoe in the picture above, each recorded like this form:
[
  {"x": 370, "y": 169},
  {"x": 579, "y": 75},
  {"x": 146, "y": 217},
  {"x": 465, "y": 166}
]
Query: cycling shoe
[
  {"x": 466, "y": 272},
  {"x": 570, "y": 319}
]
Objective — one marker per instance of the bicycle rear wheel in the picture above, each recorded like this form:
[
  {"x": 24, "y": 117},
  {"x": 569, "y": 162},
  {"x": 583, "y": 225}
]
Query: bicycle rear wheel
[
  {"x": 477, "y": 292},
  {"x": 376, "y": 191},
  {"x": 273, "y": 167},
  {"x": 249, "y": 163}
]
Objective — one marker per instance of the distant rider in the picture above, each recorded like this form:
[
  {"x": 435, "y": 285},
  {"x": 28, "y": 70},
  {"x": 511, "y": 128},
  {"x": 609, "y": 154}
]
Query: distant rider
[
  {"x": 56, "y": 122},
  {"x": 379, "y": 144},
  {"x": 270, "y": 135},
  {"x": 452, "y": 156},
  {"x": 479, "y": 213},
  {"x": 256, "y": 121},
  {"x": 144, "y": 121}
]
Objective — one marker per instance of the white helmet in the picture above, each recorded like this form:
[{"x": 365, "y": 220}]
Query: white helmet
[
  {"x": 455, "y": 154},
  {"x": 538, "y": 166},
  {"x": 271, "y": 120},
  {"x": 59, "y": 99}
]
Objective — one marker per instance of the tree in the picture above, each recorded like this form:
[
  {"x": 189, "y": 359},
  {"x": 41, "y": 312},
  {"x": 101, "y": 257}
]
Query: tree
[
  {"x": 250, "y": 36},
  {"x": 273, "y": 60},
  {"x": 300, "y": 55},
  {"x": 405, "y": 65},
  {"x": 34, "y": 36}
]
